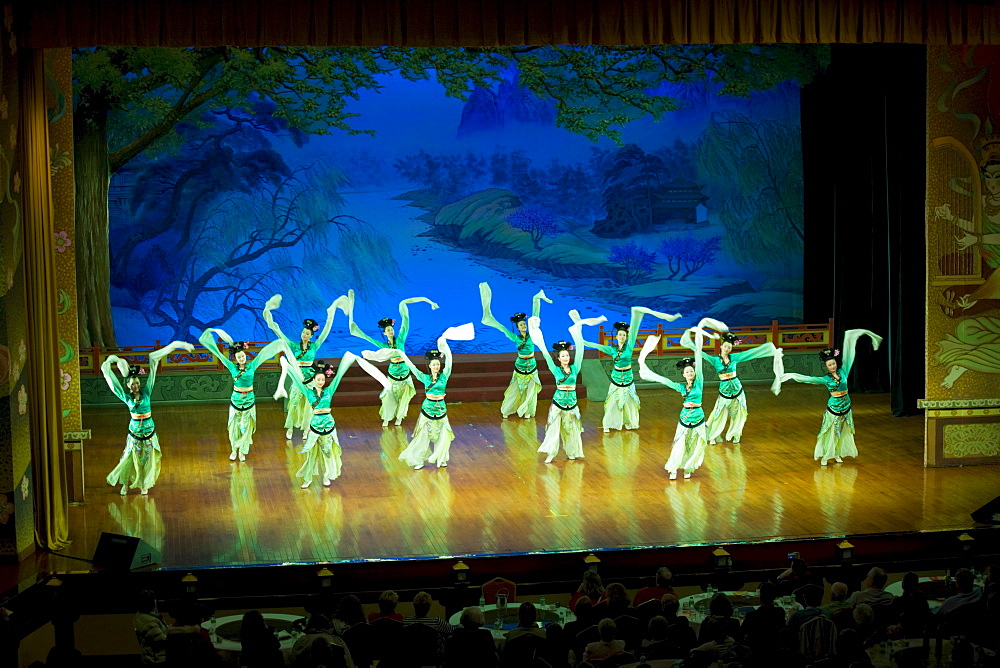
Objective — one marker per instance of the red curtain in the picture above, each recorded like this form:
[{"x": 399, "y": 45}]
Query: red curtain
[{"x": 60, "y": 23}]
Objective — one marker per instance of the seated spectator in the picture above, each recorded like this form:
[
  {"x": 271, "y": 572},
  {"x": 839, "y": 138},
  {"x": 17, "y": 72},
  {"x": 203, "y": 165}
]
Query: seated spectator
[
  {"x": 318, "y": 627},
  {"x": 874, "y": 593},
  {"x": 721, "y": 606},
  {"x": 260, "y": 647},
  {"x": 607, "y": 646},
  {"x": 664, "y": 585},
  {"x": 191, "y": 649},
  {"x": 321, "y": 653},
  {"x": 421, "y": 609},
  {"x": 584, "y": 618},
  {"x": 721, "y": 646},
  {"x": 838, "y": 607},
  {"x": 761, "y": 627},
  {"x": 349, "y": 613},
  {"x": 812, "y": 598},
  {"x": 152, "y": 631},
  {"x": 679, "y": 631},
  {"x": 591, "y": 587},
  {"x": 527, "y": 622},
  {"x": 387, "y": 607},
  {"x": 470, "y": 644},
  {"x": 910, "y": 609},
  {"x": 962, "y": 613},
  {"x": 655, "y": 644},
  {"x": 797, "y": 575},
  {"x": 864, "y": 624},
  {"x": 616, "y": 598},
  {"x": 850, "y": 650},
  {"x": 556, "y": 647}
]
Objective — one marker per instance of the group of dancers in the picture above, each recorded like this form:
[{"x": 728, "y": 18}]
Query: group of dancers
[{"x": 314, "y": 383}]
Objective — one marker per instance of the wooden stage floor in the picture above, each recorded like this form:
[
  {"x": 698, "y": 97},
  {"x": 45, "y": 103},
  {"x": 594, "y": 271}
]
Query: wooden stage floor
[{"x": 497, "y": 495}]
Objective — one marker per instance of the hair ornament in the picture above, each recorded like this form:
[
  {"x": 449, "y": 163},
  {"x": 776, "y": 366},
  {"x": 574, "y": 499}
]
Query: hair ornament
[
  {"x": 559, "y": 346},
  {"x": 685, "y": 362},
  {"x": 386, "y": 322},
  {"x": 621, "y": 325},
  {"x": 519, "y": 317}
]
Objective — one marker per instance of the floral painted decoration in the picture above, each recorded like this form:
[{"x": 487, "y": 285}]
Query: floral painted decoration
[{"x": 63, "y": 241}]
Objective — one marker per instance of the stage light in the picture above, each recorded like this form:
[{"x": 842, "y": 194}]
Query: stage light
[
  {"x": 844, "y": 552},
  {"x": 722, "y": 560},
  {"x": 966, "y": 550},
  {"x": 592, "y": 562},
  {"x": 190, "y": 583},
  {"x": 461, "y": 572},
  {"x": 325, "y": 576}
]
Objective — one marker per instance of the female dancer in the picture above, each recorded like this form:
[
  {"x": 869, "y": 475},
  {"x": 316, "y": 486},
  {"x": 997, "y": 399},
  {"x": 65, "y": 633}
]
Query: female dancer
[
  {"x": 836, "y": 435},
  {"x": 304, "y": 351},
  {"x": 564, "y": 414},
  {"x": 732, "y": 402},
  {"x": 139, "y": 465},
  {"x": 621, "y": 407},
  {"x": 432, "y": 425},
  {"x": 396, "y": 399},
  {"x": 521, "y": 396},
  {"x": 321, "y": 446},
  {"x": 243, "y": 402},
  {"x": 690, "y": 437}
]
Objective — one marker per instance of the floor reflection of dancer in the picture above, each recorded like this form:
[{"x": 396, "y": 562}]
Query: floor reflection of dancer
[
  {"x": 521, "y": 396},
  {"x": 139, "y": 465},
  {"x": 396, "y": 399},
  {"x": 621, "y": 408},
  {"x": 690, "y": 437},
  {"x": 563, "y": 423},
  {"x": 321, "y": 446},
  {"x": 732, "y": 402},
  {"x": 242, "y": 403},
  {"x": 433, "y": 426},
  {"x": 304, "y": 350},
  {"x": 836, "y": 435}
]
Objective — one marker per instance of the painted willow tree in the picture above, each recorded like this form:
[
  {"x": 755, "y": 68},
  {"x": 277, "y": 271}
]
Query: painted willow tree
[{"x": 130, "y": 100}]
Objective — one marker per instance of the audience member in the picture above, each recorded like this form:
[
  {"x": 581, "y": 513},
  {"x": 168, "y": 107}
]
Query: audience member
[
  {"x": 679, "y": 631},
  {"x": 591, "y": 587},
  {"x": 387, "y": 607},
  {"x": 664, "y": 585},
  {"x": 421, "y": 609},
  {"x": 797, "y": 575},
  {"x": 260, "y": 647},
  {"x": 910, "y": 609},
  {"x": 527, "y": 622},
  {"x": 321, "y": 653},
  {"x": 305, "y": 650},
  {"x": 349, "y": 612},
  {"x": 470, "y": 644},
  {"x": 812, "y": 598},
  {"x": 191, "y": 649},
  {"x": 761, "y": 627},
  {"x": 721, "y": 646},
  {"x": 874, "y": 593},
  {"x": 963, "y": 613},
  {"x": 555, "y": 650},
  {"x": 616, "y": 598},
  {"x": 584, "y": 618},
  {"x": 850, "y": 651},
  {"x": 655, "y": 644},
  {"x": 864, "y": 624},
  {"x": 607, "y": 646},
  {"x": 721, "y": 606},
  {"x": 152, "y": 631}
]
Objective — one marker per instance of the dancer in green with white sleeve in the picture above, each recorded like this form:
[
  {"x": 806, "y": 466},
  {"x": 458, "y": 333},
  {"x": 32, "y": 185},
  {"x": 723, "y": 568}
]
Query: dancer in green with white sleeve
[
  {"x": 243, "y": 403},
  {"x": 836, "y": 435},
  {"x": 139, "y": 465},
  {"x": 396, "y": 399},
  {"x": 521, "y": 395}
]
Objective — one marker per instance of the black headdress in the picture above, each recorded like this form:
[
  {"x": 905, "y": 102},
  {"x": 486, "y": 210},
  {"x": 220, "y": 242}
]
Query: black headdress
[
  {"x": 237, "y": 346},
  {"x": 621, "y": 325},
  {"x": 386, "y": 322},
  {"x": 319, "y": 366},
  {"x": 685, "y": 362},
  {"x": 561, "y": 345},
  {"x": 729, "y": 337},
  {"x": 518, "y": 317},
  {"x": 829, "y": 354},
  {"x": 134, "y": 371},
  {"x": 309, "y": 323},
  {"x": 434, "y": 354}
]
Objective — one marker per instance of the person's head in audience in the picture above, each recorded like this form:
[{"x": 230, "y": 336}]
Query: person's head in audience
[
  {"x": 607, "y": 629},
  {"x": 767, "y": 593},
  {"x": 910, "y": 582},
  {"x": 877, "y": 578},
  {"x": 584, "y": 608},
  {"x": 146, "y": 602},
  {"x": 554, "y": 635},
  {"x": 472, "y": 618},
  {"x": 664, "y": 578},
  {"x": 387, "y": 602},
  {"x": 799, "y": 567},
  {"x": 191, "y": 614},
  {"x": 318, "y": 622},
  {"x": 422, "y": 604},
  {"x": 838, "y": 592},
  {"x": 864, "y": 616},
  {"x": 965, "y": 580},
  {"x": 322, "y": 653},
  {"x": 657, "y": 628},
  {"x": 669, "y": 605},
  {"x": 349, "y": 610},
  {"x": 848, "y": 644},
  {"x": 252, "y": 628},
  {"x": 617, "y": 596},
  {"x": 717, "y": 628},
  {"x": 720, "y": 606},
  {"x": 527, "y": 616},
  {"x": 812, "y": 595},
  {"x": 592, "y": 585}
]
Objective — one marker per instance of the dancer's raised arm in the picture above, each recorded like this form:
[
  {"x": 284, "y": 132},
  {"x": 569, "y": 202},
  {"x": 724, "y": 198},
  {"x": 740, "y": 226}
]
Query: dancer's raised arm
[
  {"x": 207, "y": 339},
  {"x": 539, "y": 340},
  {"x": 464, "y": 332},
  {"x": 851, "y": 337},
  {"x": 648, "y": 374},
  {"x": 157, "y": 356},
  {"x": 536, "y": 303}
]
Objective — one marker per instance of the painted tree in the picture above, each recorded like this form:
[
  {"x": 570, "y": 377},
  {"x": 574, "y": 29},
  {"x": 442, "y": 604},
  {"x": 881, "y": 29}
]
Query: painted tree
[
  {"x": 535, "y": 222},
  {"x": 637, "y": 262},
  {"x": 130, "y": 100},
  {"x": 762, "y": 208},
  {"x": 684, "y": 252}
]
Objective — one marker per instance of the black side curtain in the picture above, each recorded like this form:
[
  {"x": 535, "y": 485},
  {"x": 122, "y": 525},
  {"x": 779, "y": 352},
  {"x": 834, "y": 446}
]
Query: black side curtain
[{"x": 864, "y": 144}]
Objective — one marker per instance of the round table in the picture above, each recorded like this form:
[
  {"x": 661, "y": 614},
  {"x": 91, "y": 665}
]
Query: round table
[
  {"x": 226, "y": 635},
  {"x": 695, "y": 607},
  {"x": 508, "y": 618},
  {"x": 934, "y": 588}
]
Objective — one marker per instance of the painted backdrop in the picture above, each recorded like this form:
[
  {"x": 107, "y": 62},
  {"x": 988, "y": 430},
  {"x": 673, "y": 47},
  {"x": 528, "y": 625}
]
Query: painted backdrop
[{"x": 668, "y": 177}]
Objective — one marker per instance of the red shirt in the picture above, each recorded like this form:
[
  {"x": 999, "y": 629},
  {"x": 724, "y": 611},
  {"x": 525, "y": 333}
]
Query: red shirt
[{"x": 650, "y": 594}]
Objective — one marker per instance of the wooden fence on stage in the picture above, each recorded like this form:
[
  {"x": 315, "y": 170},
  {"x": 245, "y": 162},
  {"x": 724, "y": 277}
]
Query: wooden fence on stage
[{"x": 801, "y": 337}]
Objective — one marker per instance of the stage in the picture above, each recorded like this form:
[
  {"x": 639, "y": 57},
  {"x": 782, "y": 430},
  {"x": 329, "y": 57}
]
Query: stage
[{"x": 498, "y": 497}]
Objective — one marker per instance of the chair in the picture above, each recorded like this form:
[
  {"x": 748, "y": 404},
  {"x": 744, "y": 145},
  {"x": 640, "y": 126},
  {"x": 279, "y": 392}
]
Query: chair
[
  {"x": 817, "y": 638},
  {"x": 421, "y": 643},
  {"x": 584, "y": 638},
  {"x": 388, "y": 645},
  {"x": 499, "y": 585},
  {"x": 646, "y": 611},
  {"x": 630, "y": 629},
  {"x": 520, "y": 651},
  {"x": 362, "y": 640}
]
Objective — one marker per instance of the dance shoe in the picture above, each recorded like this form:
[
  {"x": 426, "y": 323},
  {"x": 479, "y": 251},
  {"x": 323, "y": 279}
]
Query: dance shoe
[
  {"x": 673, "y": 475},
  {"x": 838, "y": 460},
  {"x": 326, "y": 482},
  {"x": 124, "y": 490},
  {"x": 711, "y": 442},
  {"x": 418, "y": 467},
  {"x": 306, "y": 484},
  {"x": 687, "y": 474},
  {"x": 442, "y": 465},
  {"x": 385, "y": 423},
  {"x": 607, "y": 431},
  {"x": 399, "y": 421},
  {"x": 144, "y": 491},
  {"x": 233, "y": 455},
  {"x": 823, "y": 462},
  {"x": 243, "y": 457},
  {"x": 570, "y": 457},
  {"x": 548, "y": 460}
]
